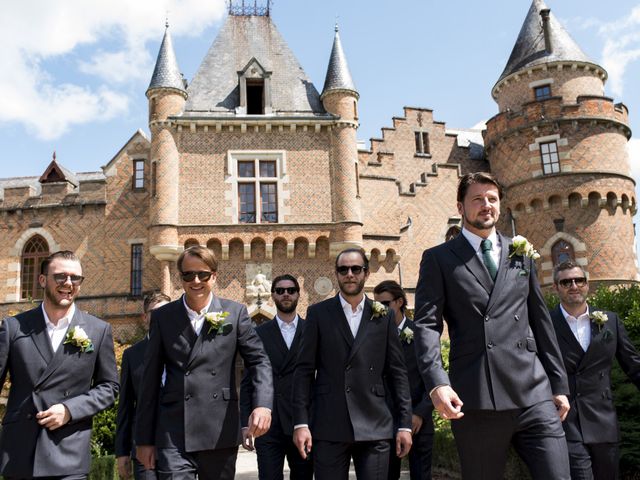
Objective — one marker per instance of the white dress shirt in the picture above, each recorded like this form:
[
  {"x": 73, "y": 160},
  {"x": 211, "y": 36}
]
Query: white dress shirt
[
  {"x": 197, "y": 318},
  {"x": 475, "y": 241},
  {"x": 580, "y": 326},
  {"x": 58, "y": 332},
  {"x": 288, "y": 330},
  {"x": 353, "y": 318},
  {"x": 401, "y": 326}
]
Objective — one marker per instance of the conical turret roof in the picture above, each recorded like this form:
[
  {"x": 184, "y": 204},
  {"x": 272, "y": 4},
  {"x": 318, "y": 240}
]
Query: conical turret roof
[
  {"x": 338, "y": 74},
  {"x": 167, "y": 73},
  {"x": 529, "y": 49}
]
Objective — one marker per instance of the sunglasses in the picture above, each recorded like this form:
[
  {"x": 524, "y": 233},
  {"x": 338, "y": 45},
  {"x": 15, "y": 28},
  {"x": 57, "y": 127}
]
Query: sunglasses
[
  {"x": 203, "y": 276},
  {"x": 355, "y": 269},
  {"x": 566, "y": 282},
  {"x": 61, "y": 278},
  {"x": 289, "y": 290}
]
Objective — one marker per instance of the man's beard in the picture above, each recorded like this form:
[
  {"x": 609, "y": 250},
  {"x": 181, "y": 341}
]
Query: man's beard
[
  {"x": 51, "y": 296},
  {"x": 480, "y": 225},
  {"x": 286, "y": 309},
  {"x": 360, "y": 287}
]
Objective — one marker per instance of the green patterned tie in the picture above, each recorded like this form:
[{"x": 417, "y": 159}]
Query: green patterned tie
[{"x": 485, "y": 246}]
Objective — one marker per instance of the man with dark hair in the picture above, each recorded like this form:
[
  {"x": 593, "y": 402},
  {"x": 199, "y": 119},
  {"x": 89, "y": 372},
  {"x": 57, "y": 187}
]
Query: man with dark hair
[
  {"x": 130, "y": 379},
  {"x": 63, "y": 371},
  {"x": 349, "y": 345},
  {"x": 504, "y": 363},
  {"x": 390, "y": 294},
  {"x": 193, "y": 424},
  {"x": 589, "y": 340},
  {"x": 281, "y": 339}
]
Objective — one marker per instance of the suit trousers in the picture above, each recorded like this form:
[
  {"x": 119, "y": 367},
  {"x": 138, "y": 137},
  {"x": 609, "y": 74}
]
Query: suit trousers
[
  {"x": 272, "y": 449},
  {"x": 597, "y": 461},
  {"x": 220, "y": 464},
  {"x": 64, "y": 477},
  {"x": 419, "y": 457},
  {"x": 483, "y": 438},
  {"x": 331, "y": 460}
]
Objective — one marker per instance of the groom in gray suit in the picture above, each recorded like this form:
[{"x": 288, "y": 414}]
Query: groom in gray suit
[
  {"x": 63, "y": 372},
  {"x": 505, "y": 366},
  {"x": 191, "y": 425}
]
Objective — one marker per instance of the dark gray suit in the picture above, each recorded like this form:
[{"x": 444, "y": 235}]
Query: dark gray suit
[
  {"x": 339, "y": 385},
  {"x": 85, "y": 383},
  {"x": 592, "y": 420},
  {"x": 197, "y": 409},
  {"x": 277, "y": 443},
  {"x": 504, "y": 354}
]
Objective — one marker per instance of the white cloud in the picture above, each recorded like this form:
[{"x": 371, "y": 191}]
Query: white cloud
[{"x": 41, "y": 41}]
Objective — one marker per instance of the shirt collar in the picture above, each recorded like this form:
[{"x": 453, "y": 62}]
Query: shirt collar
[
  {"x": 475, "y": 240},
  {"x": 63, "y": 322},
  {"x": 346, "y": 304},
  {"x": 282, "y": 324},
  {"x": 567, "y": 315},
  {"x": 401, "y": 326},
  {"x": 193, "y": 313}
]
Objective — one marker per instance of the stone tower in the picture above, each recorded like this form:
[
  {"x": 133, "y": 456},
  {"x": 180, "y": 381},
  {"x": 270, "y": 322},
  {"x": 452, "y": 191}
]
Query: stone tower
[
  {"x": 167, "y": 96},
  {"x": 340, "y": 98},
  {"x": 558, "y": 145}
]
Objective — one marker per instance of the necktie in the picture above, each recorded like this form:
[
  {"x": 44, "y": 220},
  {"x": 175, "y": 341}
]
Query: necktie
[{"x": 485, "y": 246}]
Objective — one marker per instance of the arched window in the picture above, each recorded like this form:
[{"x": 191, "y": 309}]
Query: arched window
[
  {"x": 561, "y": 252},
  {"x": 34, "y": 252}
]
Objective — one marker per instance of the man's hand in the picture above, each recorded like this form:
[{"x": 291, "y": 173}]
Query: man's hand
[
  {"x": 302, "y": 440},
  {"x": 259, "y": 422},
  {"x": 403, "y": 443},
  {"x": 124, "y": 467},
  {"x": 562, "y": 405},
  {"x": 416, "y": 423},
  {"x": 146, "y": 455},
  {"x": 247, "y": 440},
  {"x": 54, "y": 417},
  {"x": 447, "y": 402}
]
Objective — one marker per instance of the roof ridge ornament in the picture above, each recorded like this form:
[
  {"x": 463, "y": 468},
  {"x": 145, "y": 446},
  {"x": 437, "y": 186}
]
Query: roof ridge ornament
[{"x": 244, "y": 10}]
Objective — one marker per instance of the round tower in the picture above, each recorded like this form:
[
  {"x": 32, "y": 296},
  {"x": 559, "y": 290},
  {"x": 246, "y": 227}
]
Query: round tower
[
  {"x": 167, "y": 96},
  {"x": 340, "y": 98},
  {"x": 558, "y": 146}
]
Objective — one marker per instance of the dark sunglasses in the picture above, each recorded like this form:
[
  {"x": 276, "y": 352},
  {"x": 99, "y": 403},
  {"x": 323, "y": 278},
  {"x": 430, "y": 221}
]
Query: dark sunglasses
[
  {"x": 61, "y": 278},
  {"x": 386, "y": 303},
  {"x": 289, "y": 290},
  {"x": 355, "y": 269},
  {"x": 566, "y": 282},
  {"x": 203, "y": 276}
]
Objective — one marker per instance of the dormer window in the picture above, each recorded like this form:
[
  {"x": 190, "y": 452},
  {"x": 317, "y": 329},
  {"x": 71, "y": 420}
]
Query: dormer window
[{"x": 254, "y": 83}]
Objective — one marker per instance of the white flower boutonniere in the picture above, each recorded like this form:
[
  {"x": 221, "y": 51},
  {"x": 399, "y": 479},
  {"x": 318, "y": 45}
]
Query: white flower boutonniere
[
  {"x": 379, "y": 310},
  {"x": 406, "y": 335},
  {"x": 216, "y": 322},
  {"x": 600, "y": 319},
  {"x": 76, "y": 336},
  {"x": 521, "y": 246}
]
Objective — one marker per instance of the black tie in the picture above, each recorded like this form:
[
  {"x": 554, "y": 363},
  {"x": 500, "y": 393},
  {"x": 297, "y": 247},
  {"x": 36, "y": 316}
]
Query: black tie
[{"x": 485, "y": 246}]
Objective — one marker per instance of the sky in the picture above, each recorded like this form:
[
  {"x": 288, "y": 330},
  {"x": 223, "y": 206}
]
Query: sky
[{"x": 75, "y": 72}]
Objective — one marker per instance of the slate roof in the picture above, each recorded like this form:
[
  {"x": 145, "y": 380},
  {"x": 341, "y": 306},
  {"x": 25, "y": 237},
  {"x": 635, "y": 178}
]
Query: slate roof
[
  {"x": 35, "y": 183},
  {"x": 338, "y": 74},
  {"x": 529, "y": 49},
  {"x": 214, "y": 89},
  {"x": 167, "y": 74}
]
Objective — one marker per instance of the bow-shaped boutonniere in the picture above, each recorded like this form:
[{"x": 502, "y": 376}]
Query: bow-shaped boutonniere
[
  {"x": 406, "y": 335},
  {"x": 601, "y": 319},
  {"x": 77, "y": 337},
  {"x": 522, "y": 247},
  {"x": 379, "y": 310},
  {"x": 216, "y": 322}
]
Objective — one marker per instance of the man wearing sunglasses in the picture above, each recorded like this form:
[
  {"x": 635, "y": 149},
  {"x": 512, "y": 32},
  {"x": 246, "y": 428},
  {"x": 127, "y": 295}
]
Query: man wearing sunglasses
[
  {"x": 191, "y": 427},
  {"x": 349, "y": 345},
  {"x": 281, "y": 339},
  {"x": 590, "y": 339},
  {"x": 63, "y": 372}
]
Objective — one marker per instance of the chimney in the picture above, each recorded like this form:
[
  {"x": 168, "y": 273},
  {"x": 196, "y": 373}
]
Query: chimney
[{"x": 544, "y": 13}]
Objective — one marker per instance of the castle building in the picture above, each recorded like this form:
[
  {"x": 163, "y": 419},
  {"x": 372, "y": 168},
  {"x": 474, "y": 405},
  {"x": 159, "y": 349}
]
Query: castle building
[{"x": 251, "y": 160}]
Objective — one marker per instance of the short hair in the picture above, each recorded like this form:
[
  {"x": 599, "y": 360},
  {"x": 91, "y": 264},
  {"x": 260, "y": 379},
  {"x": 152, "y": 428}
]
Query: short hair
[
  {"x": 566, "y": 265},
  {"x": 64, "y": 254},
  {"x": 281, "y": 278},
  {"x": 477, "y": 177},
  {"x": 152, "y": 299},
  {"x": 360, "y": 251},
  {"x": 203, "y": 253},
  {"x": 394, "y": 288}
]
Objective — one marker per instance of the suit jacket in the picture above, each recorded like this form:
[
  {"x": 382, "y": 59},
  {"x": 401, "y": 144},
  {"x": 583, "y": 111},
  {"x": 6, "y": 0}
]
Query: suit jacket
[
  {"x": 338, "y": 383},
  {"x": 198, "y": 406},
  {"x": 592, "y": 418},
  {"x": 130, "y": 379},
  {"x": 504, "y": 352},
  {"x": 85, "y": 383},
  {"x": 283, "y": 361}
]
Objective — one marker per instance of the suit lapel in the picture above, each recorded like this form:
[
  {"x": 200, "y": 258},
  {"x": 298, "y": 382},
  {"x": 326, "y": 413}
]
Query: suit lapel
[
  {"x": 363, "y": 328},
  {"x": 596, "y": 339},
  {"x": 39, "y": 335},
  {"x": 562, "y": 328},
  {"x": 503, "y": 270},
  {"x": 294, "y": 345},
  {"x": 184, "y": 325},
  {"x": 343, "y": 325},
  {"x": 215, "y": 306},
  {"x": 465, "y": 252}
]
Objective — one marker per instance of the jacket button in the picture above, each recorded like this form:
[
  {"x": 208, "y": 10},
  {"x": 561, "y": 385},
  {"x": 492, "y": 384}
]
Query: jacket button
[
  {"x": 578, "y": 394},
  {"x": 215, "y": 395},
  {"x": 519, "y": 344},
  {"x": 213, "y": 373},
  {"x": 187, "y": 397},
  {"x": 348, "y": 367},
  {"x": 348, "y": 389},
  {"x": 486, "y": 318},
  {"x": 37, "y": 390},
  {"x": 187, "y": 373},
  {"x": 517, "y": 317},
  {"x": 29, "y": 416},
  {"x": 490, "y": 345}
]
